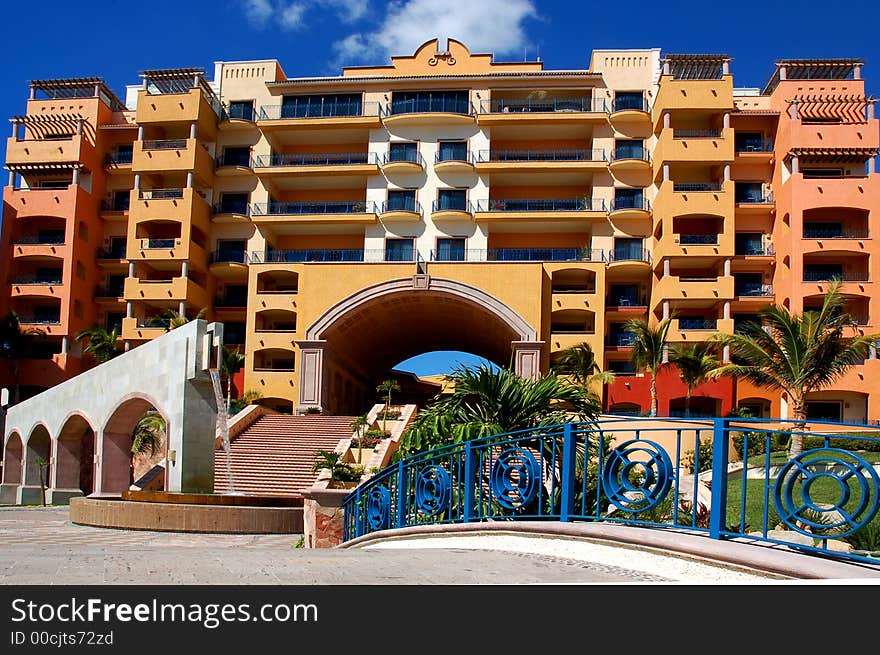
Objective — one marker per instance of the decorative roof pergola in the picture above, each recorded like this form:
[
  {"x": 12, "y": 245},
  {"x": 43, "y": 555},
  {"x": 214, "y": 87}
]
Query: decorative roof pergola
[
  {"x": 76, "y": 87},
  {"x": 49, "y": 124},
  {"x": 696, "y": 67},
  {"x": 814, "y": 69},
  {"x": 851, "y": 109}
]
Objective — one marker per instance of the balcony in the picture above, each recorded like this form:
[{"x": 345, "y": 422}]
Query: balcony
[
  {"x": 849, "y": 192},
  {"x": 119, "y": 159},
  {"x": 232, "y": 208},
  {"x": 228, "y": 263},
  {"x": 529, "y": 162},
  {"x": 619, "y": 340},
  {"x": 714, "y": 95},
  {"x": 425, "y": 110},
  {"x": 547, "y": 208},
  {"x": 834, "y": 231},
  {"x": 630, "y": 108},
  {"x": 48, "y": 245},
  {"x": 698, "y": 324},
  {"x": 72, "y": 148},
  {"x": 630, "y": 159},
  {"x": 323, "y": 164},
  {"x": 758, "y": 202},
  {"x": 337, "y": 211},
  {"x": 629, "y": 256},
  {"x": 698, "y": 239},
  {"x": 451, "y": 208},
  {"x": 696, "y": 329},
  {"x": 691, "y": 287},
  {"x": 828, "y": 276},
  {"x": 708, "y": 198},
  {"x": 114, "y": 292},
  {"x": 232, "y": 163},
  {"x": 171, "y": 289},
  {"x": 753, "y": 290},
  {"x": 182, "y": 205},
  {"x": 38, "y": 320},
  {"x": 754, "y": 249},
  {"x": 630, "y": 207},
  {"x": 405, "y": 161},
  {"x": 453, "y": 161},
  {"x": 309, "y": 255},
  {"x": 558, "y": 112},
  {"x": 401, "y": 209},
  {"x": 546, "y": 255},
  {"x": 173, "y": 155},
  {"x": 37, "y": 285},
  {"x": 695, "y": 146},
  {"x": 145, "y": 328},
  {"x": 759, "y": 150},
  {"x": 324, "y": 115}
]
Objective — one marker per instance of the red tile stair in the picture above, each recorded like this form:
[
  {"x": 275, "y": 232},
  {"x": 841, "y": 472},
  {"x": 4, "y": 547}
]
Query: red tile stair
[{"x": 275, "y": 454}]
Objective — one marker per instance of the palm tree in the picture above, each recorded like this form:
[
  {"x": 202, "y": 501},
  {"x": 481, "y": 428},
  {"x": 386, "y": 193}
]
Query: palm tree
[
  {"x": 172, "y": 319},
  {"x": 15, "y": 343},
  {"x": 579, "y": 363},
  {"x": 357, "y": 426},
  {"x": 695, "y": 362},
  {"x": 149, "y": 434},
  {"x": 649, "y": 344},
  {"x": 231, "y": 362},
  {"x": 103, "y": 345},
  {"x": 796, "y": 354},
  {"x": 249, "y": 397},
  {"x": 488, "y": 401},
  {"x": 387, "y": 387}
]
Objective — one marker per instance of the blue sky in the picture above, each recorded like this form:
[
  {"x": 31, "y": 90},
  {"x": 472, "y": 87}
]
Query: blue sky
[{"x": 116, "y": 39}]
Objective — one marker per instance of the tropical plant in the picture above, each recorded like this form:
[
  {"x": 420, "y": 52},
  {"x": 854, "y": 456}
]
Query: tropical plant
[
  {"x": 149, "y": 434},
  {"x": 579, "y": 363},
  {"x": 102, "y": 345},
  {"x": 796, "y": 353},
  {"x": 173, "y": 320},
  {"x": 488, "y": 401},
  {"x": 249, "y": 397},
  {"x": 15, "y": 344},
  {"x": 42, "y": 465},
  {"x": 387, "y": 387},
  {"x": 312, "y": 410},
  {"x": 694, "y": 362},
  {"x": 339, "y": 471},
  {"x": 649, "y": 344},
  {"x": 231, "y": 362},
  {"x": 358, "y": 425}
]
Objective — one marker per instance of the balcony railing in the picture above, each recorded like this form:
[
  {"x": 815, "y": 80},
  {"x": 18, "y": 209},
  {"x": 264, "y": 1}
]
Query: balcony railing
[
  {"x": 112, "y": 253},
  {"x": 698, "y": 239},
  {"x": 157, "y": 244},
  {"x": 542, "y": 105},
  {"x": 629, "y": 255},
  {"x": 762, "y": 145},
  {"x": 754, "y": 289},
  {"x": 38, "y": 279},
  {"x": 541, "y": 205},
  {"x": 698, "y": 187},
  {"x": 620, "y": 340},
  {"x": 401, "y": 205},
  {"x": 452, "y": 205},
  {"x": 712, "y": 133},
  {"x": 541, "y": 155},
  {"x": 161, "y": 194},
  {"x": 232, "y": 208},
  {"x": 154, "y": 321},
  {"x": 319, "y": 110},
  {"x": 698, "y": 278},
  {"x": 453, "y": 156},
  {"x": 116, "y": 205},
  {"x": 698, "y": 324},
  {"x": 755, "y": 249},
  {"x": 234, "y": 159},
  {"x": 110, "y": 291},
  {"x": 630, "y": 153},
  {"x": 441, "y": 105},
  {"x": 118, "y": 158},
  {"x": 300, "y": 208},
  {"x": 311, "y": 255},
  {"x": 546, "y": 255},
  {"x": 755, "y": 199},
  {"x": 31, "y": 240},
  {"x": 630, "y": 103},
  {"x": 630, "y": 203},
  {"x": 228, "y": 257},
  {"x": 322, "y": 159},
  {"x": 165, "y": 144},
  {"x": 230, "y": 301},
  {"x": 627, "y": 300},
  {"x": 826, "y": 276},
  {"x": 835, "y": 232},
  {"x": 26, "y": 319},
  {"x": 411, "y": 156}
]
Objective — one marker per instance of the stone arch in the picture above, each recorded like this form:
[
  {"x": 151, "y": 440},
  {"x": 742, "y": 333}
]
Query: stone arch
[
  {"x": 13, "y": 454},
  {"x": 115, "y": 445},
  {"x": 74, "y": 469},
  {"x": 38, "y": 446},
  {"x": 356, "y": 339}
]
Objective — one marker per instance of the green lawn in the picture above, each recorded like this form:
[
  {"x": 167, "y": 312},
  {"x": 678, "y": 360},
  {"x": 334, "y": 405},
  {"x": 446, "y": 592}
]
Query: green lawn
[{"x": 781, "y": 457}]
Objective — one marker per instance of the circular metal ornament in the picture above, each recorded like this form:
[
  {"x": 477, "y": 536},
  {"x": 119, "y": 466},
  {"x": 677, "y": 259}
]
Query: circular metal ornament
[
  {"x": 636, "y": 485},
  {"x": 433, "y": 488},
  {"x": 378, "y": 507},
  {"x": 858, "y": 487},
  {"x": 515, "y": 478}
]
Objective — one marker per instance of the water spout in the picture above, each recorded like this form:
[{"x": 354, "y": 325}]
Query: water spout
[{"x": 223, "y": 428}]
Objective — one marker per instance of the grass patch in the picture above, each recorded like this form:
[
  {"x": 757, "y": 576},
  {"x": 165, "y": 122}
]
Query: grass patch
[{"x": 778, "y": 458}]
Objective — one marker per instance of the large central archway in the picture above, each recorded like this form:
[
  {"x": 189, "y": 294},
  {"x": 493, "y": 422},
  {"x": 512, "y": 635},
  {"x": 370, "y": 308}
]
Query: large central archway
[{"x": 355, "y": 343}]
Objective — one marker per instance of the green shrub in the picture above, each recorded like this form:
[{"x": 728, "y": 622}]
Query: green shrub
[
  {"x": 705, "y": 462},
  {"x": 312, "y": 410}
]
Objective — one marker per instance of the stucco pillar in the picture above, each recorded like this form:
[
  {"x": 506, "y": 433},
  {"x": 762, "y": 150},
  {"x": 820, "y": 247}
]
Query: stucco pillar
[
  {"x": 665, "y": 172},
  {"x": 14, "y": 123},
  {"x": 795, "y": 168},
  {"x": 527, "y": 358},
  {"x": 727, "y": 172},
  {"x": 727, "y": 266},
  {"x": 872, "y": 165},
  {"x": 857, "y": 72},
  {"x": 126, "y": 346},
  {"x": 666, "y": 68},
  {"x": 725, "y": 67},
  {"x": 181, "y": 307},
  {"x": 137, "y": 182},
  {"x": 793, "y": 110},
  {"x": 33, "y": 95},
  {"x": 726, "y": 123},
  {"x": 725, "y": 355},
  {"x": 311, "y": 374},
  {"x": 12, "y": 179},
  {"x": 130, "y": 273},
  {"x": 783, "y": 72},
  {"x": 872, "y": 351},
  {"x": 666, "y": 267},
  {"x": 190, "y": 179},
  {"x": 869, "y": 111},
  {"x": 727, "y": 310},
  {"x": 140, "y": 133},
  {"x": 665, "y": 309},
  {"x": 76, "y": 175},
  {"x": 79, "y": 126},
  {"x": 667, "y": 120},
  {"x": 193, "y": 130},
  {"x": 64, "y": 345}
]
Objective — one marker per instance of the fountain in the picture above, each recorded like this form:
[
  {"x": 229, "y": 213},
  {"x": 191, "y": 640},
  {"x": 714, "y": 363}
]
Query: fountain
[{"x": 223, "y": 427}]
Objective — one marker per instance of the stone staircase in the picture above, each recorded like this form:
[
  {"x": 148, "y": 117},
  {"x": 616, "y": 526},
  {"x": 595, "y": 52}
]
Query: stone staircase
[{"x": 274, "y": 454}]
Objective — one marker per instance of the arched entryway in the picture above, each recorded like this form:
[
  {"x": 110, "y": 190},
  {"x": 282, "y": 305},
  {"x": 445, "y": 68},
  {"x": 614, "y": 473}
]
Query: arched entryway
[
  {"x": 74, "y": 460},
  {"x": 117, "y": 468},
  {"x": 38, "y": 455},
  {"x": 353, "y": 345},
  {"x": 12, "y": 458}
]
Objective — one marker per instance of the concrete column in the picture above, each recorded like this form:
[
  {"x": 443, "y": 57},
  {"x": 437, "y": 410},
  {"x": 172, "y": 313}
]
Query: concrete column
[
  {"x": 727, "y": 172},
  {"x": 12, "y": 179},
  {"x": 130, "y": 269},
  {"x": 33, "y": 95},
  {"x": 726, "y": 123},
  {"x": 181, "y": 308},
  {"x": 795, "y": 168},
  {"x": 667, "y": 120},
  {"x": 137, "y": 181},
  {"x": 666, "y": 68},
  {"x": 195, "y": 81},
  {"x": 666, "y": 267},
  {"x": 140, "y": 133},
  {"x": 872, "y": 165},
  {"x": 129, "y": 310},
  {"x": 127, "y": 345},
  {"x": 857, "y": 72},
  {"x": 666, "y": 354},
  {"x": 79, "y": 126},
  {"x": 793, "y": 110},
  {"x": 311, "y": 374},
  {"x": 782, "y": 72},
  {"x": 665, "y": 172},
  {"x": 76, "y": 175},
  {"x": 184, "y": 269},
  {"x": 869, "y": 111},
  {"x": 727, "y": 310},
  {"x": 665, "y": 309},
  {"x": 193, "y": 130},
  {"x": 725, "y": 67},
  {"x": 872, "y": 351},
  {"x": 527, "y": 358},
  {"x": 725, "y": 355},
  {"x": 97, "y": 90},
  {"x": 14, "y": 123},
  {"x": 727, "y": 267},
  {"x": 64, "y": 345},
  {"x": 190, "y": 179},
  {"x": 144, "y": 83}
]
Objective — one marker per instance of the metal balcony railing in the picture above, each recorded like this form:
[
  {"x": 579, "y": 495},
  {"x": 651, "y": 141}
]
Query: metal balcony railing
[
  {"x": 26, "y": 319},
  {"x": 156, "y": 244},
  {"x": 630, "y": 203},
  {"x": 228, "y": 257},
  {"x": 698, "y": 324},
  {"x": 165, "y": 144},
  {"x": 547, "y": 255},
  {"x": 452, "y": 204},
  {"x": 568, "y": 328},
  {"x": 404, "y": 204},
  {"x": 301, "y": 208},
  {"x": 161, "y": 194},
  {"x": 755, "y": 199},
  {"x": 630, "y": 103},
  {"x": 698, "y": 187},
  {"x": 441, "y": 105},
  {"x": 698, "y": 239},
  {"x": 112, "y": 253},
  {"x": 242, "y": 160},
  {"x": 321, "y": 159},
  {"x": 756, "y": 145},
  {"x": 828, "y": 276},
  {"x": 38, "y": 279},
  {"x": 698, "y": 278},
  {"x": 754, "y": 289},
  {"x": 629, "y": 255},
  {"x": 641, "y": 154},
  {"x": 595, "y": 154},
  {"x": 116, "y": 205},
  {"x": 244, "y": 112},
  {"x": 711, "y": 133},
  {"x": 319, "y": 110},
  {"x": 454, "y": 156},
  {"x": 411, "y": 156},
  {"x": 310, "y": 255},
  {"x": 620, "y": 340},
  {"x": 540, "y": 204},
  {"x": 154, "y": 322},
  {"x": 627, "y": 300},
  {"x": 110, "y": 291},
  {"x": 36, "y": 240},
  {"x": 835, "y": 232},
  {"x": 754, "y": 249},
  {"x": 118, "y": 158},
  {"x": 232, "y": 208},
  {"x": 542, "y": 105}
]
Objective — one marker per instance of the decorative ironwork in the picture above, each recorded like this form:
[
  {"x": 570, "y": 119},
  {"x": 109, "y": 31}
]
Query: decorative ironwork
[
  {"x": 515, "y": 478},
  {"x": 433, "y": 489},
  {"x": 857, "y": 502},
  {"x": 378, "y": 507},
  {"x": 635, "y": 485}
]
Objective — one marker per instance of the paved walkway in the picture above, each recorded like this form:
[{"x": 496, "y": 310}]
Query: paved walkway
[{"x": 41, "y": 546}]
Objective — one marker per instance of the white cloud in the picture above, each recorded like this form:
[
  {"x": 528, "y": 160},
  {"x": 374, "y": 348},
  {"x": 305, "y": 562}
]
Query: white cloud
[
  {"x": 494, "y": 26},
  {"x": 291, "y": 15},
  {"x": 257, "y": 12},
  {"x": 349, "y": 11}
]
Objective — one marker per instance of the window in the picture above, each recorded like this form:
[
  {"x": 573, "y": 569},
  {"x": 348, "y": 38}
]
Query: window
[
  {"x": 628, "y": 249},
  {"x": 749, "y": 192},
  {"x": 233, "y": 332},
  {"x": 234, "y": 295},
  {"x": 629, "y": 199},
  {"x": 121, "y": 201},
  {"x": 403, "y": 151},
  {"x": 824, "y": 411},
  {"x": 450, "y": 250},
  {"x": 748, "y": 243},
  {"x": 629, "y": 149},
  {"x": 242, "y": 109},
  {"x": 823, "y": 272},
  {"x": 399, "y": 250},
  {"x": 50, "y": 236},
  {"x": 452, "y": 199},
  {"x": 624, "y": 295},
  {"x": 629, "y": 100},
  {"x": 229, "y": 250},
  {"x": 234, "y": 203},
  {"x": 749, "y": 142},
  {"x": 409, "y": 102},
  {"x": 452, "y": 151},
  {"x": 113, "y": 320},
  {"x": 115, "y": 286},
  {"x": 321, "y": 106},
  {"x": 236, "y": 156},
  {"x": 401, "y": 200},
  {"x": 118, "y": 247},
  {"x": 815, "y": 230},
  {"x": 123, "y": 153},
  {"x": 47, "y": 314}
]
